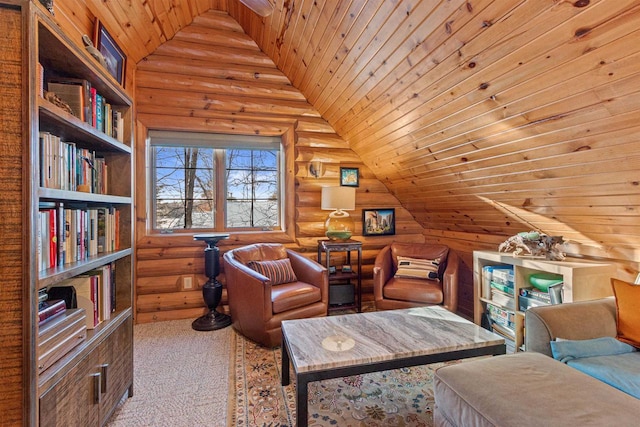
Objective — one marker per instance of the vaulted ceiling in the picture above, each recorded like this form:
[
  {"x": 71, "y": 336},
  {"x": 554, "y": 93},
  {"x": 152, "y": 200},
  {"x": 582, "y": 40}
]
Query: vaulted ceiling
[{"x": 481, "y": 116}]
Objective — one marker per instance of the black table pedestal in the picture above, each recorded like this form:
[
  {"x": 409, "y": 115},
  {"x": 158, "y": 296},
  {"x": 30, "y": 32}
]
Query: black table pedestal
[{"x": 212, "y": 290}]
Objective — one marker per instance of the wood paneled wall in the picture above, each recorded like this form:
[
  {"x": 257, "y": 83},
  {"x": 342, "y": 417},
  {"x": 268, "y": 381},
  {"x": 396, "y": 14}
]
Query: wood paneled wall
[
  {"x": 16, "y": 375},
  {"x": 482, "y": 118},
  {"x": 212, "y": 77}
]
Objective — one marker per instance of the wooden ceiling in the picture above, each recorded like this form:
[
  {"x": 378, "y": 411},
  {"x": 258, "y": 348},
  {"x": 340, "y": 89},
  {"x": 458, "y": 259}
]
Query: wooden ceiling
[{"x": 481, "y": 116}]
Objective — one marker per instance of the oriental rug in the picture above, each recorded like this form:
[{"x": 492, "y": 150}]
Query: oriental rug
[{"x": 401, "y": 397}]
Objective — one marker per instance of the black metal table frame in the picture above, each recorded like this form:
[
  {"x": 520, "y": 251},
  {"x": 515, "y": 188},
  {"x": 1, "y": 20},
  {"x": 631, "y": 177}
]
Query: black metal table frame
[
  {"x": 328, "y": 246},
  {"x": 304, "y": 378}
]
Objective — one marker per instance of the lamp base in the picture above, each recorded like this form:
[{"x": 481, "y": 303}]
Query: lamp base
[
  {"x": 211, "y": 321},
  {"x": 339, "y": 226}
]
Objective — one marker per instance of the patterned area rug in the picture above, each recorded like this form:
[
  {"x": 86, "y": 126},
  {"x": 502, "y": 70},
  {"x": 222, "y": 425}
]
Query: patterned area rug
[{"x": 401, "y": 397}]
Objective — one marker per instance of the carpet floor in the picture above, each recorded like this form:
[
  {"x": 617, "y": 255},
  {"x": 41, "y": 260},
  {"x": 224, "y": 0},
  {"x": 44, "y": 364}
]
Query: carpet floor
[
  {"x": 188, "y": 378},
  {"x": 181, "y": 377}
]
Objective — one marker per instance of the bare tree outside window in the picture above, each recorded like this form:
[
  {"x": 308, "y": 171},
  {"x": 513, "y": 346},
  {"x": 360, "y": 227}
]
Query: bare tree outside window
[
  {"x": 252, "y": 188},
  {"x": 185, "y": 189}
]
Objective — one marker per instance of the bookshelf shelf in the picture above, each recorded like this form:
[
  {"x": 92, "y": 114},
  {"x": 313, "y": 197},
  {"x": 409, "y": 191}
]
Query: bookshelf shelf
[
  {"x": 57, "y": 274},
  {"x": 65, "y": 374},
  {"x": 581, "y": 281},
  {"x": 57, "y": 121},
  {"x": 53, "y": 194}
]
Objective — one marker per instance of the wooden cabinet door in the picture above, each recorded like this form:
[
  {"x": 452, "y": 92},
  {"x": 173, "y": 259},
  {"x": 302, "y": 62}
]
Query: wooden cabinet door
[
  {"x": 116, "y": 366},
  {"x": 73, "y": 401}
]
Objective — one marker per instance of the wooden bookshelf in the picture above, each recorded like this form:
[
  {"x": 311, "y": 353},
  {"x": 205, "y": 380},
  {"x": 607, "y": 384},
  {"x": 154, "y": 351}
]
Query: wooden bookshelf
[
  {"x": 582, "y": 281},
  {"x": 62, "y": 374}
]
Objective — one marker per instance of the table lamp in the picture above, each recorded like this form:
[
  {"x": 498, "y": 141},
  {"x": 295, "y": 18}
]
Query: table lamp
[{"x": 339, "y": 225}]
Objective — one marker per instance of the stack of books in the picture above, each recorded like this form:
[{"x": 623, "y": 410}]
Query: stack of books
[
  {"x": 532, "y": 297},
  {"x": 499, "y": 285},
  {"x": 59, "y": 336}
]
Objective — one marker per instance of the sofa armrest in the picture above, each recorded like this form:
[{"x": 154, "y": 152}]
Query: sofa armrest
[{"x": 576, "y": 321}]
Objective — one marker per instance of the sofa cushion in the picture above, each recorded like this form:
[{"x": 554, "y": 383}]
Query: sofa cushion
[
  {"x": 621, "y": 371},
  {"x": 527, "y": 389},
  {"x": 565, "y": 350},
  {"x": 278, "y": 271},
  {"x": 627, "y": 311}
]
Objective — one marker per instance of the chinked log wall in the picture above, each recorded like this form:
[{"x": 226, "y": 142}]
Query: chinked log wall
[{"x": 212, "y": 77}]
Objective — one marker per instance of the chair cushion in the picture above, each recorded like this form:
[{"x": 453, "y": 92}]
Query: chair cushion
[
  {"x": 260, "y": 252},
  {"x": 627, "y": 311},
  {"x": 438, "y": 253},
  {"x": 414, "y": 290},
  {"x": 293, "y": 295},
  {"x": 418, "y": 268},
  {"x": 278, "y": 271}
]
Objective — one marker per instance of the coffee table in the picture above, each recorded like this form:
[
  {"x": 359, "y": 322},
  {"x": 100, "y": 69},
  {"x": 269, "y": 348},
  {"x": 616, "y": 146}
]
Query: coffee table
[{"x": 338, "y": 346}]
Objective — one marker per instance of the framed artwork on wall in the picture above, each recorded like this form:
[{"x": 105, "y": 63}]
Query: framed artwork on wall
[
  {"x": 115, "y": 58},
  {"x": 349, "y": 177},
  {"x": 378, "y": 222}
]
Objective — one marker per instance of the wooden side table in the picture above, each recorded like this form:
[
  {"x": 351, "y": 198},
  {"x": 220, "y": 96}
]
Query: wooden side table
[{"x": 340, "y": 277}]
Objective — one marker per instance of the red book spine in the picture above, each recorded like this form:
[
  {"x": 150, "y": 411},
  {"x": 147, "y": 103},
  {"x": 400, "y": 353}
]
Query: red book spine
[
  {"x": 53, "y": 246},
  {"x": 94, "y": 298},
  {"x": 50, "y": 310}
]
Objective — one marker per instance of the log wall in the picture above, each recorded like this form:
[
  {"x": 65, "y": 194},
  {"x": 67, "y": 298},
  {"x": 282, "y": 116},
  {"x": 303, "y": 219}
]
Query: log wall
[
  {"x": 212, "y": 77},
  {"x": 482, "y": 118}
]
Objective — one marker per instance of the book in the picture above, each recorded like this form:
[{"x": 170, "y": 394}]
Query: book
[
  {"x": 503, "y": 288},
  {"x": 86, "y": 287},
  {"x": 536, "y": 294},
  {"x": 49, "y": 309}
]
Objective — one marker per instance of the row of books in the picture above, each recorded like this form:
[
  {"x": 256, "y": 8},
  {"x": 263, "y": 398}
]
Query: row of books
[
  {"x": 95, "y": 292},
  {"x": 70, "y": 234},
  {"x": 64, "y": 166},
  {"x": 88, "y": 105}
]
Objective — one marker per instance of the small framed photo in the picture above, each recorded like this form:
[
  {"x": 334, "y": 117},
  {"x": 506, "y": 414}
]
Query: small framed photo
[
  {"x": 113, "y": 55},
  {"x": 332, "y": 269},
  {"x": 378, "y": 222},
  {"x": 349, "y": 177},
  {"x": 346, "y": 269}
]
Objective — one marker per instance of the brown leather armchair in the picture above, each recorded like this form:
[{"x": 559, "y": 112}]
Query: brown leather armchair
[
  {"x": 258, "y": 306},
  {"x": 392, "y": 292}
]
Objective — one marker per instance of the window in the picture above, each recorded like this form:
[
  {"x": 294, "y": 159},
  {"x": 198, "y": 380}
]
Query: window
[{"x": 192, "y": 174}]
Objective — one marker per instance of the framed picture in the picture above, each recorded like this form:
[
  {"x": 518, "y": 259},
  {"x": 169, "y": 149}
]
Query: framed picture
[
  {"x": 115, "y": 58},
  {"x": 378, "y": 222},
  {"x": 349, "y": 177}
]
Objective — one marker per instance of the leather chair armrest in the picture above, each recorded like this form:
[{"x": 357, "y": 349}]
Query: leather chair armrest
[
  {"x": 450, "y": 282},
  {"x": 308, "y": 271},
  {"x": 249, "y": 287},
  {"x": 382, "y": 271},
  {"x": 575, "y": 321}
]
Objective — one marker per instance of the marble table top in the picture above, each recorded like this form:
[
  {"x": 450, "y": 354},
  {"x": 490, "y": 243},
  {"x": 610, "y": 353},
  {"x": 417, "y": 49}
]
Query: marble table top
[{"x": 322, "y": 343}]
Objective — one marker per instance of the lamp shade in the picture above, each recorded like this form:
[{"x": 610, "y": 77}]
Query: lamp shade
[
  {"x": 339, "y": 225},
  {"x": 338, "y": 198}
]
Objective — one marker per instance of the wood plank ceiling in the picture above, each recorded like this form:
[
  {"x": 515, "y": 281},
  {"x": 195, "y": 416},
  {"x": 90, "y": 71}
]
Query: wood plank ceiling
[{"x": 481, "y": 116}]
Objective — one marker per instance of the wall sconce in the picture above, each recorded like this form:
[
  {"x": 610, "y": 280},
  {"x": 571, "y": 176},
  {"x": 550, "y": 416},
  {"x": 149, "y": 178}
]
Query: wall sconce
[{"x": 316, "y": 168}]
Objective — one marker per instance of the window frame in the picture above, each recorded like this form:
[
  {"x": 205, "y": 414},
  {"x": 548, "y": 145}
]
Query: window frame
[{"x": 219, "y": 143}]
